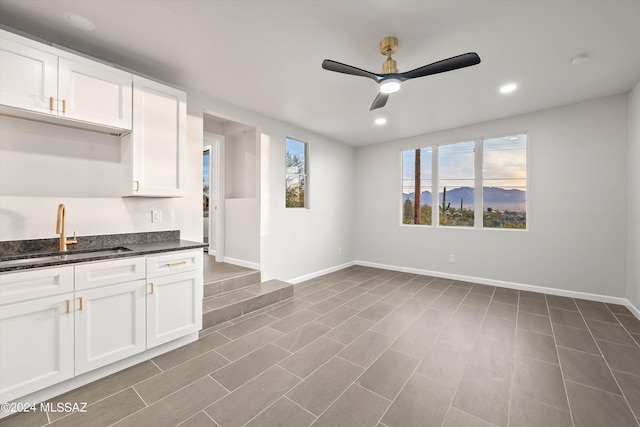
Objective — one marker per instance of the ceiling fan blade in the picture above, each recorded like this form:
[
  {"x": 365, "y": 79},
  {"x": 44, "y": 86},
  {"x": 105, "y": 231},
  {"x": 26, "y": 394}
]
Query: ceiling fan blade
[
  {"x": 449, "y": 64},
  {"x": 380, "y": 101},
  {"x": 338, "y": 67}
]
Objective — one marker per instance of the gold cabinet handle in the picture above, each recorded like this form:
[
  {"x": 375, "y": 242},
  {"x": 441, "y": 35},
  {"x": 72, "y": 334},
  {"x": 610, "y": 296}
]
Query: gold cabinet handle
[
  {"x": 151, "y": 292},
  {"x": 64, "y": 105},
  {"x": 175, "y": 264},
  {"x": 68, "y": 306},
  {"x": 51, "y": 104},
  {"x": 80, "y": 303},
  {"x": 137, "y": 185}
]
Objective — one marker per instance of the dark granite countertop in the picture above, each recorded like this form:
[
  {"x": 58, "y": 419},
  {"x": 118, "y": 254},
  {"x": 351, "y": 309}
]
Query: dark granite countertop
[{"x": 28, "y": 254}]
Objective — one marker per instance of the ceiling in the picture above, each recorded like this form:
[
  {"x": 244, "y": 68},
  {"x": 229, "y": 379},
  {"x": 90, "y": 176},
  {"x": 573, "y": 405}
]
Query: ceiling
[{"x": 266, "y": 55}]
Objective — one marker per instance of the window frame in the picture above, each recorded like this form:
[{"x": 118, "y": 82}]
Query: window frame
[
  {"x": 305, "y": 174},
  {"x": 478, "y": 183}
]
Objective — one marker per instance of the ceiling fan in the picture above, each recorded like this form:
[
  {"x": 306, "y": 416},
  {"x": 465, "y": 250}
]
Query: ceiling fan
[{"x": 390, "y": 79}]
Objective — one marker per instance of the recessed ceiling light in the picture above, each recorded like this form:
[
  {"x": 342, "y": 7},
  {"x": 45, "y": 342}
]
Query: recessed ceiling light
[
  {"x": 381, "y": 121},
  {"x": 79, "y": 21},
  {"x": 579, "y": 59},
  {"x": 508, "y": 88}
]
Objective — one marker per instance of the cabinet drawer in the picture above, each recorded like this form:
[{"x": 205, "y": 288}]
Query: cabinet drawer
[
  {"x": 38, "y": 283},
  {"x": 174, "y": 262},
  {"x": 103, "y": 273}
]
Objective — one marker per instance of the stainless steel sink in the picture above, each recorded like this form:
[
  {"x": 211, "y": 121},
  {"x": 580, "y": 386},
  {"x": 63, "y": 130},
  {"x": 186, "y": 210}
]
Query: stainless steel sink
[{"x": 49, "y": 258}]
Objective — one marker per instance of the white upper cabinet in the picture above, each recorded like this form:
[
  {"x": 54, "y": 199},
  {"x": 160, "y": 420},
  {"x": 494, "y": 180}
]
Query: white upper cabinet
[
  {"x": 28, "y": 77},
  {"x": 37, "y": 78},
  {"x": 153, "y": 153},
  {"x": 95, "y": 94}
]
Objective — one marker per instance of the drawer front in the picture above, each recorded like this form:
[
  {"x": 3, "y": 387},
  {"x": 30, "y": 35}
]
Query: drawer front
[
  {"x": 37, "y": 283},
  {"x": 174, "y": 262},
  {"x": 104, "y": 273}
]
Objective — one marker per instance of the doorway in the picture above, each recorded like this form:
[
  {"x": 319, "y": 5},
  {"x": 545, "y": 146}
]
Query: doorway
[{"x": 211, "y": 194}]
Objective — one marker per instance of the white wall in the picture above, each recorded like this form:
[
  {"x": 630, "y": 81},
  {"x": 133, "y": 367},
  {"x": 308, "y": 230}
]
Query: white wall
[
  {"x": 577, "y": 212},
  {"x": 43, "y": 165},
  {"x": 633, "y": 254},
  {"x": 296, "y": 243}
]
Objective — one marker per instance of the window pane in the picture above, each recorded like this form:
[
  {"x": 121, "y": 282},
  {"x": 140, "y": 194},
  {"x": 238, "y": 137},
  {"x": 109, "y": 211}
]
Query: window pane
[
  {"x": 416, "y": 179},
  {"x": 456, "y": 183},
  {"x": 296, "y": 173},
  {"x": 504, "y": 172}
]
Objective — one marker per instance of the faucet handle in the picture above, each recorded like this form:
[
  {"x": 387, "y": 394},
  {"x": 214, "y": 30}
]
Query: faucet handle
[{"x": 72, "y": 241}]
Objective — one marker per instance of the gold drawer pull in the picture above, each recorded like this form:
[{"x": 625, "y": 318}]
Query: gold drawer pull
[
  {"x": 64, "y": 105},
  {"x": 68, "y": 306},
  {"x": 51, "y": 104},
  {"x": 151, "y": 288},
  {"x": 175, "y": 264},
  {"x": 80, "y": 303}
]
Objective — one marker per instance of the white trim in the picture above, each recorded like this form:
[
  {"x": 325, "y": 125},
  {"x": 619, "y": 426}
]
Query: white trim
[
  {"x": 242, "y": 263},
  {"x": 320, "y": 273},
  {"x": 510, "y": 285}
]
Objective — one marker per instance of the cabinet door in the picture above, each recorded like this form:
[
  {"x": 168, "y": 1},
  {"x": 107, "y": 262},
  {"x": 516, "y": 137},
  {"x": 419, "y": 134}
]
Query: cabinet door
[
  {"x": 94, "y": 93},
  {"x": 28, "y": 76},
  {"x": 158, "y": 139},
  {"x": 174, "y": 307},
  {"x": 36, "y": 348},
  {"x": 110, "y": 324}
]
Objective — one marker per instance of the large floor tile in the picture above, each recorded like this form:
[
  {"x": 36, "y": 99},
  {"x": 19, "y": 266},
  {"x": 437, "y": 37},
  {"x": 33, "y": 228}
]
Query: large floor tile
[
  {"x": 414, "y": 342},
  {"x": 596, "y": 312},
  {"x": 242, "y": 370},
  {"x": 311, "y": 357},
  {"x": 595, "y": 408},
  {"x": 356, "y": 407},
  {"x": 298, "y": 338},
  {"x": 615, "y": 333},
  {"x": 587, "y": 369},
  {"x": 534, "y": 323},
  {"x": 630, "y": 385},
  {"x": 177, "y": 407},
  {"x": 541, "y": 381},
  {"x": 525, "y": 412},
  {"x": 293, "y": 321},
  {"x": 577, "y": 339},
  {"x": 458, "y": 418},
  {"x": 240, "y": 406},
  {"x": 388, "y": 373},
  {"x": 283, "y": 413},
  {"x": 243, "y": 328},
  {"x": 422, "y": 402},
  {"x": 366, "y": 349},
  {"x": 569, "y": 318},
  {"x": 155, "y": 388},
  {"x": 321, "y": 388},
  {"x": 376, "y": 311},
  {"x": 349, "y": 330},
  {"x": 189, "y": 351},
  {"x": 393, "y": 325},
  {"x": 336, "y": 316},
  {"x": 241, "y": 347},
  {"x": 537, "y": 346},
  {"x": 620, "y": 357},
  {"x": 105, "y": 412},
  {"x": 444, "y": 363}
]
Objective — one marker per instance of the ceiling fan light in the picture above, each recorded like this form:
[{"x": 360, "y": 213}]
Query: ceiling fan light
[{"x": 390, "y": 86}]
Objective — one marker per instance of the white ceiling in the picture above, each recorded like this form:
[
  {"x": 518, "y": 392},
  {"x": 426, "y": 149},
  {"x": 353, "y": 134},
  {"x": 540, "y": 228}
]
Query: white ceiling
[{"x": 266, "y": 55}]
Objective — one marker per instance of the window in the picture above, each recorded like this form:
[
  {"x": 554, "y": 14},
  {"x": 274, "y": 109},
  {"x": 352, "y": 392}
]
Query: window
[
  {"x": 456, "y": 181},
  {"x": 416, "y": 180},
  {"x": 296, "y": 173},
  {"x": 504, "y": 177},
  {"x": 491, "y": 169}
]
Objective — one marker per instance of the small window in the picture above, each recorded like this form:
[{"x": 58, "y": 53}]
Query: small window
[
  {"x": 416, "y": 186},
  {"x": 456, "y": 181},
  {"x": 504, "y": 176},
  {"x": 296, "y": 173}
]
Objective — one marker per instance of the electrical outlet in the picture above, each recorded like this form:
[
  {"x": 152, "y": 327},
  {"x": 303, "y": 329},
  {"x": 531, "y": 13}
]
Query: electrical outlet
[
  {"x": 156, "y": 215},
  {"x": 452, "y": 258}
]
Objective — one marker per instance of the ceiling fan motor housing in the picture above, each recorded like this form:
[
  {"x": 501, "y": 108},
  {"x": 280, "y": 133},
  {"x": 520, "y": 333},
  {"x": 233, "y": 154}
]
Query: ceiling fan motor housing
[{"x": 389, "y": 46}]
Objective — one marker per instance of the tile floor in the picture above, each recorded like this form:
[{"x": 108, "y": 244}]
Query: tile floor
[{"x": 369, "y": 347}]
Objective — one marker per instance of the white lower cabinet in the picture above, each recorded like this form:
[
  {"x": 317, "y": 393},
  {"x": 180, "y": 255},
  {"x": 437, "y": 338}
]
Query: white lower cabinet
[
  {"x": 174, "y": 299},
  {"x": 36, "y": 345},
  {"x": 114, "y": 312},
  {"x": 109, "y": 324}
]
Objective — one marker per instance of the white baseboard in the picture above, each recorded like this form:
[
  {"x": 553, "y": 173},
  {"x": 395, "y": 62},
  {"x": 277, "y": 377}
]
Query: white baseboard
[
  {"x": 320, "y": 273},
  {"x": 241, "y": 263},
  {"x": 511, "y": 285}
]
